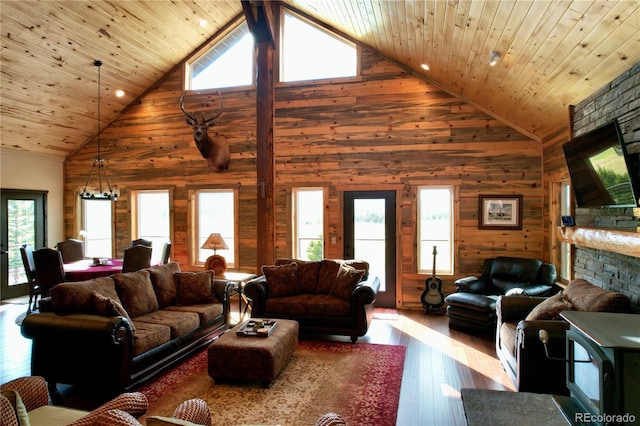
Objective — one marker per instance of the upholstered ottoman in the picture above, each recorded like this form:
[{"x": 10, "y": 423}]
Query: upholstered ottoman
[
  {"x": 472, "y": 312},
  {"x": 253, "y": 359}
]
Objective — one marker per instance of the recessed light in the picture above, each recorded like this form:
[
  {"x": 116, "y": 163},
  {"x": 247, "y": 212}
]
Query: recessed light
[
  {"x": 119, "y": 93},
  {"x": 494, "y": 57},
  {"x": 425, "y": 67},
  {"x": 203, "y": 23}
]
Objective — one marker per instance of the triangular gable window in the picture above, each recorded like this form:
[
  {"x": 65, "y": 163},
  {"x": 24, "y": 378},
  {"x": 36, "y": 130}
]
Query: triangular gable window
[
  {"x": 227, "y": 64},
  {"x": 310, "y": 52}
]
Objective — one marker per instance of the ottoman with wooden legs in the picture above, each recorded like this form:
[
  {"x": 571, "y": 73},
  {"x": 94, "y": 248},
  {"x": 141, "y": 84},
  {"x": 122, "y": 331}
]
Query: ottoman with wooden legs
[{"x": 252, "y": 359}]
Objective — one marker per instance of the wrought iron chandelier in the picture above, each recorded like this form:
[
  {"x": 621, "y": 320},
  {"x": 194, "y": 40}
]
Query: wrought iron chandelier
[{"x": 103, "y": 191}]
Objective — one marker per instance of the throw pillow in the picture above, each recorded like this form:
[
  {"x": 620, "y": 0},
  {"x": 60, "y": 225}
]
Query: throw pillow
[
  {"x": 585, "y": 296},
  {"x": 164, "y": 284},
  {"x": 358, "y": 264},
  {"x": 18, "y": 406},
  {"x": 78, "y": 296},
  {"x": 328, "y": 273},
  {"x": 282, "y": 280},
  {"x": 136, "y": 292},
  {"x": 106, "y": 306},
  {"x": 345, "y": 281},
  {"x": 550, "y": 308},
  {"x": 194, "y": 288}
]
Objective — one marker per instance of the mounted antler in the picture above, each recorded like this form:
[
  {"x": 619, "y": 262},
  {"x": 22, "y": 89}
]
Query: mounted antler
[{"x": 215, "y": 150}]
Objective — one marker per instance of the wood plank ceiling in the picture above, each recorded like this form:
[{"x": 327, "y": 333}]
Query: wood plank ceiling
[{"x": 553, "y": 54}]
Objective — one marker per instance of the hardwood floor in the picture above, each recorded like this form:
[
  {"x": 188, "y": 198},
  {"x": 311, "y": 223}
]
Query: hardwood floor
[{"x": 438, "y": 363}]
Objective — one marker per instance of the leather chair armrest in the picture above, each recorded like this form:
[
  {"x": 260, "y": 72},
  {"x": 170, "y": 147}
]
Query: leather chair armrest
[
  {"x": 528, "y": 332},
  {"x": 365, "y": 292},
  {"x": 473, "y": 285},
  {"x": 258, "y": 291},
  {"x": 32, "y": 390},
  {"x": 515, "y": 308}
]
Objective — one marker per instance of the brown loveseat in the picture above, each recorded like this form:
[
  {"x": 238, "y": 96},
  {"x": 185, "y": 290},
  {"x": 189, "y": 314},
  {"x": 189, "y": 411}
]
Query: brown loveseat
[
  {"x": 327, "y": 296},
  {"x": 113, "y": 332},
  {"x": 520, "y": 319}
]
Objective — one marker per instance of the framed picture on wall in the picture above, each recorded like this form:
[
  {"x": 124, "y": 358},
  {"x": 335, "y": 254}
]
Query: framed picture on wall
[{"x": 500, "y": 211}]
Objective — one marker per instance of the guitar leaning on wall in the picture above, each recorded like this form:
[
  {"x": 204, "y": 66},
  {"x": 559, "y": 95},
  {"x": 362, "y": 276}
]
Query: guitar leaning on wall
[{"x": 432, "y": 298}]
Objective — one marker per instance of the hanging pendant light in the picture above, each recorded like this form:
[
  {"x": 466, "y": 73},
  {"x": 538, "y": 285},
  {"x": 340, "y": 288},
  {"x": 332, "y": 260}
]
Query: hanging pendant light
[{"x": 103, "y": 191}]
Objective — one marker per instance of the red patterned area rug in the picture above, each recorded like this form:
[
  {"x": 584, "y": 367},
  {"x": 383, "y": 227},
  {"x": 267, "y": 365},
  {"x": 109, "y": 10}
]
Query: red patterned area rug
[{"x": 359, "y": 381}]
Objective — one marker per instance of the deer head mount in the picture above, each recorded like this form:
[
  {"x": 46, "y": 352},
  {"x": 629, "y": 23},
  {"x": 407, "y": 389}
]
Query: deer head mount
[{"x": 214, "y": 149}]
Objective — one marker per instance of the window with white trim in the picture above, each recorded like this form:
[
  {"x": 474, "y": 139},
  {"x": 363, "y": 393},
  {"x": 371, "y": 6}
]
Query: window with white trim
[
  {"x": 215, "y": 213},
  {"x": 436, "y": 228},
  {"x": 96, "y": 228},
  {"x": 151, "y": 221},
  {"x": 310, "y": 52},
  {"x": 308, "y": 223}
]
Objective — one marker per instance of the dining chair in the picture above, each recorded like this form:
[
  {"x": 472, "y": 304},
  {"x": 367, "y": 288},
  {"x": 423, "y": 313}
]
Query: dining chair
[
  {"x": 49, "y": 269},
  {"x": 166, "y": 253},
  {"x": 136, "y": 258},
  {"x": 72, "y": 250},
  {"x": 141, "y": 242},
  {"x": 30, "y": 270}
]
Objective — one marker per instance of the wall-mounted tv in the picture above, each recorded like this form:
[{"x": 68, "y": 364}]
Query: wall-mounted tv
[{"x": 602, "y": 173}]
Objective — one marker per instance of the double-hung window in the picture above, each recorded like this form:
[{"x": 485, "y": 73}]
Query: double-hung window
[
  {"x": 308, "y": 223},
  {"x": 436, "y": 229},
  {"x": 215, "y": 212},
  {"x": 96, "y": 228},
  {"x": 151, "y": 221}
]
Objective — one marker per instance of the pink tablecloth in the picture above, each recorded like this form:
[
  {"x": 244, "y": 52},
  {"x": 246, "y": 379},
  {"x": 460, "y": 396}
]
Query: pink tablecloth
[{"x": 84, "y": 269}]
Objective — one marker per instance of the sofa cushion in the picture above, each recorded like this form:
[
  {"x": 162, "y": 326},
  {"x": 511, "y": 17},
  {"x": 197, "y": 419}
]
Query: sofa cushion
[
  {"x": 180, "y": 323},
  {"x": 107, "y": 306},
  {"x": 55, "y": 415},
  {"x": 17, "y": 407},
  {"x": 308, "y": 271},
  {"x": 78, "y": 296},
  {"x": 585, "y": 296},
  {"x": 164, "y": 284},
  {"x": 510, "y": 272},
  {"x": 194, "y": 288},
  {"x": 149, "y": 336},
  {"x": 282, "y": 280},
  {"x": 325, "y": 305},
  {"x": 288, "y": 306},
  {"x": 136, "y": 292},
  {"x": 328, "y": 273},
  {"x": 207, "y": 312},
  {"x": 550, "y": 308},
  {"x": 357, "y": 264},
  {"x": 345, "y": 281}
]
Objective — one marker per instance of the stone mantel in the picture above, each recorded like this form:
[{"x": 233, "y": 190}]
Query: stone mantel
[{"x": 622, "y": 242}]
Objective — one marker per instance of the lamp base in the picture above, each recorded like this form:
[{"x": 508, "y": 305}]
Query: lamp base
[{"x": 216, "y": 263}]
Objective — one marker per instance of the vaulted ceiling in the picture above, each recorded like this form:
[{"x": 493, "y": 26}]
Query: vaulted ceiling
[{"x": 553, "y": 54}]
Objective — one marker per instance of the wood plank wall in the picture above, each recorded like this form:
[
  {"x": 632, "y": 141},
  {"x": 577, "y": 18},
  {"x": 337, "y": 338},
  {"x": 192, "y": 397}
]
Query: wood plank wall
[{"x": 386, "y": 129}]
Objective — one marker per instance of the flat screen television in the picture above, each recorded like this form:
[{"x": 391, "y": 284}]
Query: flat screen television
[{"x": 603, "y": 174}]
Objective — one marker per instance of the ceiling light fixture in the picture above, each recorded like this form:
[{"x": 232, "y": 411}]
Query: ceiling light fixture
[
  {"x": 101, "y": 192},
  {"x": 119, "y": 93},
  {"x": 425, "y": 67},
  {"x": 494, "y": 57}
]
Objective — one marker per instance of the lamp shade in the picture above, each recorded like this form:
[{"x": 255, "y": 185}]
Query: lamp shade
[{"x": 215, "y": 242}]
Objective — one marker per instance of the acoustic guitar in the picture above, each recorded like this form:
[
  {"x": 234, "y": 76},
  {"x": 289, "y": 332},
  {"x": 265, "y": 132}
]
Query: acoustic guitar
[{"x": 432, "y": 298}]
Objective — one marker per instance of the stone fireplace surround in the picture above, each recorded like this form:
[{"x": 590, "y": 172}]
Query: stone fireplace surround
[{"x": 607, "y": 240}]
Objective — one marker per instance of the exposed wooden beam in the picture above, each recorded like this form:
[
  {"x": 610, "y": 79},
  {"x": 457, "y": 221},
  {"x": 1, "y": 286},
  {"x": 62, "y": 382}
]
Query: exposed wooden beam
[{"x": 260, "y": 19}]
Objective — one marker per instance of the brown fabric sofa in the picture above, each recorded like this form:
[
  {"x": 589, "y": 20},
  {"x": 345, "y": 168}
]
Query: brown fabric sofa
[
  {"x": 113, "y": 332},
  {"x": 26, "y": 401},
  {"x": 519, "y": 320},
  {"x": 331, "y": 296}
]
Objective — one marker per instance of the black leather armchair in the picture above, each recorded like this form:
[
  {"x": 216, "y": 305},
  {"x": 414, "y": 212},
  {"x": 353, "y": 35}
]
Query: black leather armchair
[{"x": 473, "y": 306}]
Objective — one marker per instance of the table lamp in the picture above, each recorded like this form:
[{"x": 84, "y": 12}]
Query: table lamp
[{"x": 216, "y": 263}]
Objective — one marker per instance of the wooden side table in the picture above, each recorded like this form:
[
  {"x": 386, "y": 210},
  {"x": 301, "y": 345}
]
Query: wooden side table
[{"x": 234, "y": 285}]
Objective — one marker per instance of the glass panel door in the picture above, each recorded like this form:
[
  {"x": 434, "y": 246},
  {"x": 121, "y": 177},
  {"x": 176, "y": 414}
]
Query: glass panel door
[
  {"x": 22, "y": 223},
  {"x": 370, "y": 232}
]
